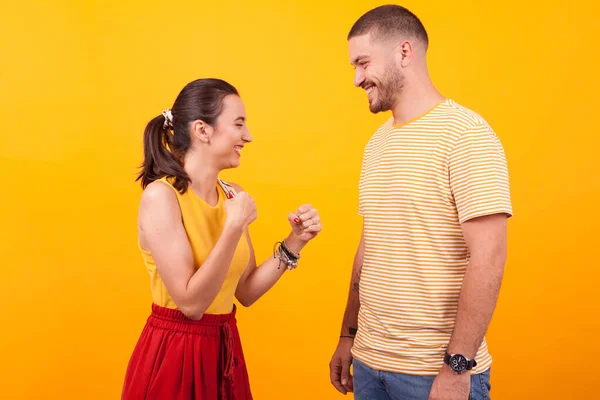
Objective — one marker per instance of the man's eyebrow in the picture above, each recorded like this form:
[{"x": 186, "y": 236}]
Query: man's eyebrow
[{"x": 358, "y": 58}]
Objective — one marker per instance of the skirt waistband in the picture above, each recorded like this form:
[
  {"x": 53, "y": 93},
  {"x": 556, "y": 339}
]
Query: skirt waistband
[{"x": 175, "y": 320}]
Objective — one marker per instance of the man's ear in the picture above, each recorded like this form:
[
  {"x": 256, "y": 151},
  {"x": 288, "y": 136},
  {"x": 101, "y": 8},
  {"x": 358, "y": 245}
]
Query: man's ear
[{"x": 405, "y": 53}]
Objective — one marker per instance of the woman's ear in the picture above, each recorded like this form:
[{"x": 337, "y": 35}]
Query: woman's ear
[{"x": 202, "y": 131}]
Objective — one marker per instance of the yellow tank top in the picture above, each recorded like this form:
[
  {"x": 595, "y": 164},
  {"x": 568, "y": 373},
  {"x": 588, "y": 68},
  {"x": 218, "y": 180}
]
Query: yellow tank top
[{"x": 203, "y": 224}]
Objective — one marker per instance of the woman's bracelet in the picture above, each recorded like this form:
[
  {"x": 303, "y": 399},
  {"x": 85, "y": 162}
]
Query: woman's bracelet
[{"x": 286, "y": 256}]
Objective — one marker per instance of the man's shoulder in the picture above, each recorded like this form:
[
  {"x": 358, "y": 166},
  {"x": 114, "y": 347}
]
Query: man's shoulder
[{"x": 464, "y": 117}]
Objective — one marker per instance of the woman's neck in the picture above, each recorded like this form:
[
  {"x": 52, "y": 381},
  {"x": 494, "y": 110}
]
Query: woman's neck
[{"x": 203, "y": 175}]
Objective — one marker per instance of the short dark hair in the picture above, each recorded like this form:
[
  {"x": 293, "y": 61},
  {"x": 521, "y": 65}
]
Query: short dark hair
[
  {"x": 390, "y": 20},
  {"x": 165, "y": 145}
]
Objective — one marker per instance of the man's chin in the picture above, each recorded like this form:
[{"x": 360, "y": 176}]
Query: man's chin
[{"x": 375, "y": 108}]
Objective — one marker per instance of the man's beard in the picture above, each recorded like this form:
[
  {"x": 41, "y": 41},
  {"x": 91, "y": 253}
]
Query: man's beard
[{"x": 388, "y": 88}]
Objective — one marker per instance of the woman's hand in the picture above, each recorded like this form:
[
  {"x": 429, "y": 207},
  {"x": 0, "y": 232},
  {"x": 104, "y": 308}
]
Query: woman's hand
[
  {"x": 241, "y": 211},
  {"x": 305, "y": 223}
]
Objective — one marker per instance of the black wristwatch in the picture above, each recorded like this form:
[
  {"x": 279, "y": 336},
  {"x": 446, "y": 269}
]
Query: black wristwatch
[{"x": 459, "y": 363}]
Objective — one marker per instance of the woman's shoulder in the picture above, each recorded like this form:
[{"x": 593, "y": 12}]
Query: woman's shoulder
[{"x": 159, "y": 193}]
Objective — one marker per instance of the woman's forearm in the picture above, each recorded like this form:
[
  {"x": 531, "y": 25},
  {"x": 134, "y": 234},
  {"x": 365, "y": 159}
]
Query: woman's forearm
[{"x": 263, "y": 277}]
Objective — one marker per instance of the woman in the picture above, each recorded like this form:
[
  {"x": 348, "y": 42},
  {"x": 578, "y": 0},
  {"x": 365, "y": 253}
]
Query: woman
[{"x": 193, "y": 236}]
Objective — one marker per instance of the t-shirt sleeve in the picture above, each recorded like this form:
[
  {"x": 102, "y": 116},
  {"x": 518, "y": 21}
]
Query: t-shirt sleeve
[
  {"x": 478, "y": 172},
  {"x": 361, "y": 180}
]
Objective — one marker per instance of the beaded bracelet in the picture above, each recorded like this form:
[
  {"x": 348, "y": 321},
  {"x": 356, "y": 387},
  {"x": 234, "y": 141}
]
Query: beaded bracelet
[{"x": 286, "y": 256}]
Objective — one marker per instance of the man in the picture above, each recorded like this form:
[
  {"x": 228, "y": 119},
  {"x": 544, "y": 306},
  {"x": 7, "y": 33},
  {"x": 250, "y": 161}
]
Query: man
[{"x": 434, "y": 196}]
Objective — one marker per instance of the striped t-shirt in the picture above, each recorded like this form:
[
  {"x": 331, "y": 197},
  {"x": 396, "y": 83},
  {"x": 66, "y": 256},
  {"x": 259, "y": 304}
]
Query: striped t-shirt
[{"x": 418, "y": 183}]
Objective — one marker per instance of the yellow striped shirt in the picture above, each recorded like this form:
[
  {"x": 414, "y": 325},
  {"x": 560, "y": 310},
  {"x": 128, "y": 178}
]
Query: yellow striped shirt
[{"x": 418, "y": 183}]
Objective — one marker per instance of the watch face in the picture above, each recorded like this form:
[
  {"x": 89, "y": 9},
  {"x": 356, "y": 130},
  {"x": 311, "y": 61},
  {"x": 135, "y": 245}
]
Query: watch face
[{"x": 458, "y": 363}]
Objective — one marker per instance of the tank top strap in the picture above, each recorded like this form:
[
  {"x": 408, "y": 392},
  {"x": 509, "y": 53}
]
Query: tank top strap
[{"x": 169, "y": 181}]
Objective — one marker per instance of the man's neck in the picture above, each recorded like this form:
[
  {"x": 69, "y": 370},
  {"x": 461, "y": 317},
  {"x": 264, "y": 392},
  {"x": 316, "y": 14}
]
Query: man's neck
[{"x": 415, "y": 100}]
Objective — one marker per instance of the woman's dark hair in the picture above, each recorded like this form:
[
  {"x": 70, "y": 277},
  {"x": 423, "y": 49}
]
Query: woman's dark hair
[{"x": 166, "y": 142}]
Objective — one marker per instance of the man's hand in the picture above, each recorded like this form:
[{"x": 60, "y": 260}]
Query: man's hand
[
  {"x": 449, "y": 385},
  {"x": 339, "y": 367}
]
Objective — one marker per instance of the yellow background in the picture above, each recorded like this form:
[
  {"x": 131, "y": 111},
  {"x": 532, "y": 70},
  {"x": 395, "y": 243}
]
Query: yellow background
[{"x": 78, "y": 83}]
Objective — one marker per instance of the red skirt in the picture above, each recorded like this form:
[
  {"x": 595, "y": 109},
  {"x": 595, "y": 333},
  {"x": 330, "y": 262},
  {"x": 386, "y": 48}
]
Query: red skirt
[{"x": 177, "y": 358}]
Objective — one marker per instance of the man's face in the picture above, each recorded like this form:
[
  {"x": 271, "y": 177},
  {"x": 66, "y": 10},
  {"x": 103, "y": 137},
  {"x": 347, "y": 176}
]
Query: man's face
[{"x": 376, "y": 71}]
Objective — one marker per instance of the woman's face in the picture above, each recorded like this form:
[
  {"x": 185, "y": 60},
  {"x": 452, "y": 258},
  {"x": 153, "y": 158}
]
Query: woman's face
[{"x": 230, "y": 133}]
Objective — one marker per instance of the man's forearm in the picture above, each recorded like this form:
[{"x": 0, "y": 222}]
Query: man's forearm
[
  {"x": 350, "y": 322},
  {"x": 476, "y": 305}
]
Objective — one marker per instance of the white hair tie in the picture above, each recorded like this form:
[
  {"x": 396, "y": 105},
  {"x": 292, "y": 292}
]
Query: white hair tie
[{"x": 168, "y": 118}]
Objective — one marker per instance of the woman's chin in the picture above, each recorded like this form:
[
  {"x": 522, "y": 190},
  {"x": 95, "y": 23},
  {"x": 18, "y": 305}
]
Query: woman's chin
[{"x": 233, "y": 164}]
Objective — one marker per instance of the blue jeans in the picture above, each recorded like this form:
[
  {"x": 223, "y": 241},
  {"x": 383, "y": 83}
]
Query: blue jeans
[{"x": 370, "y": 384}]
